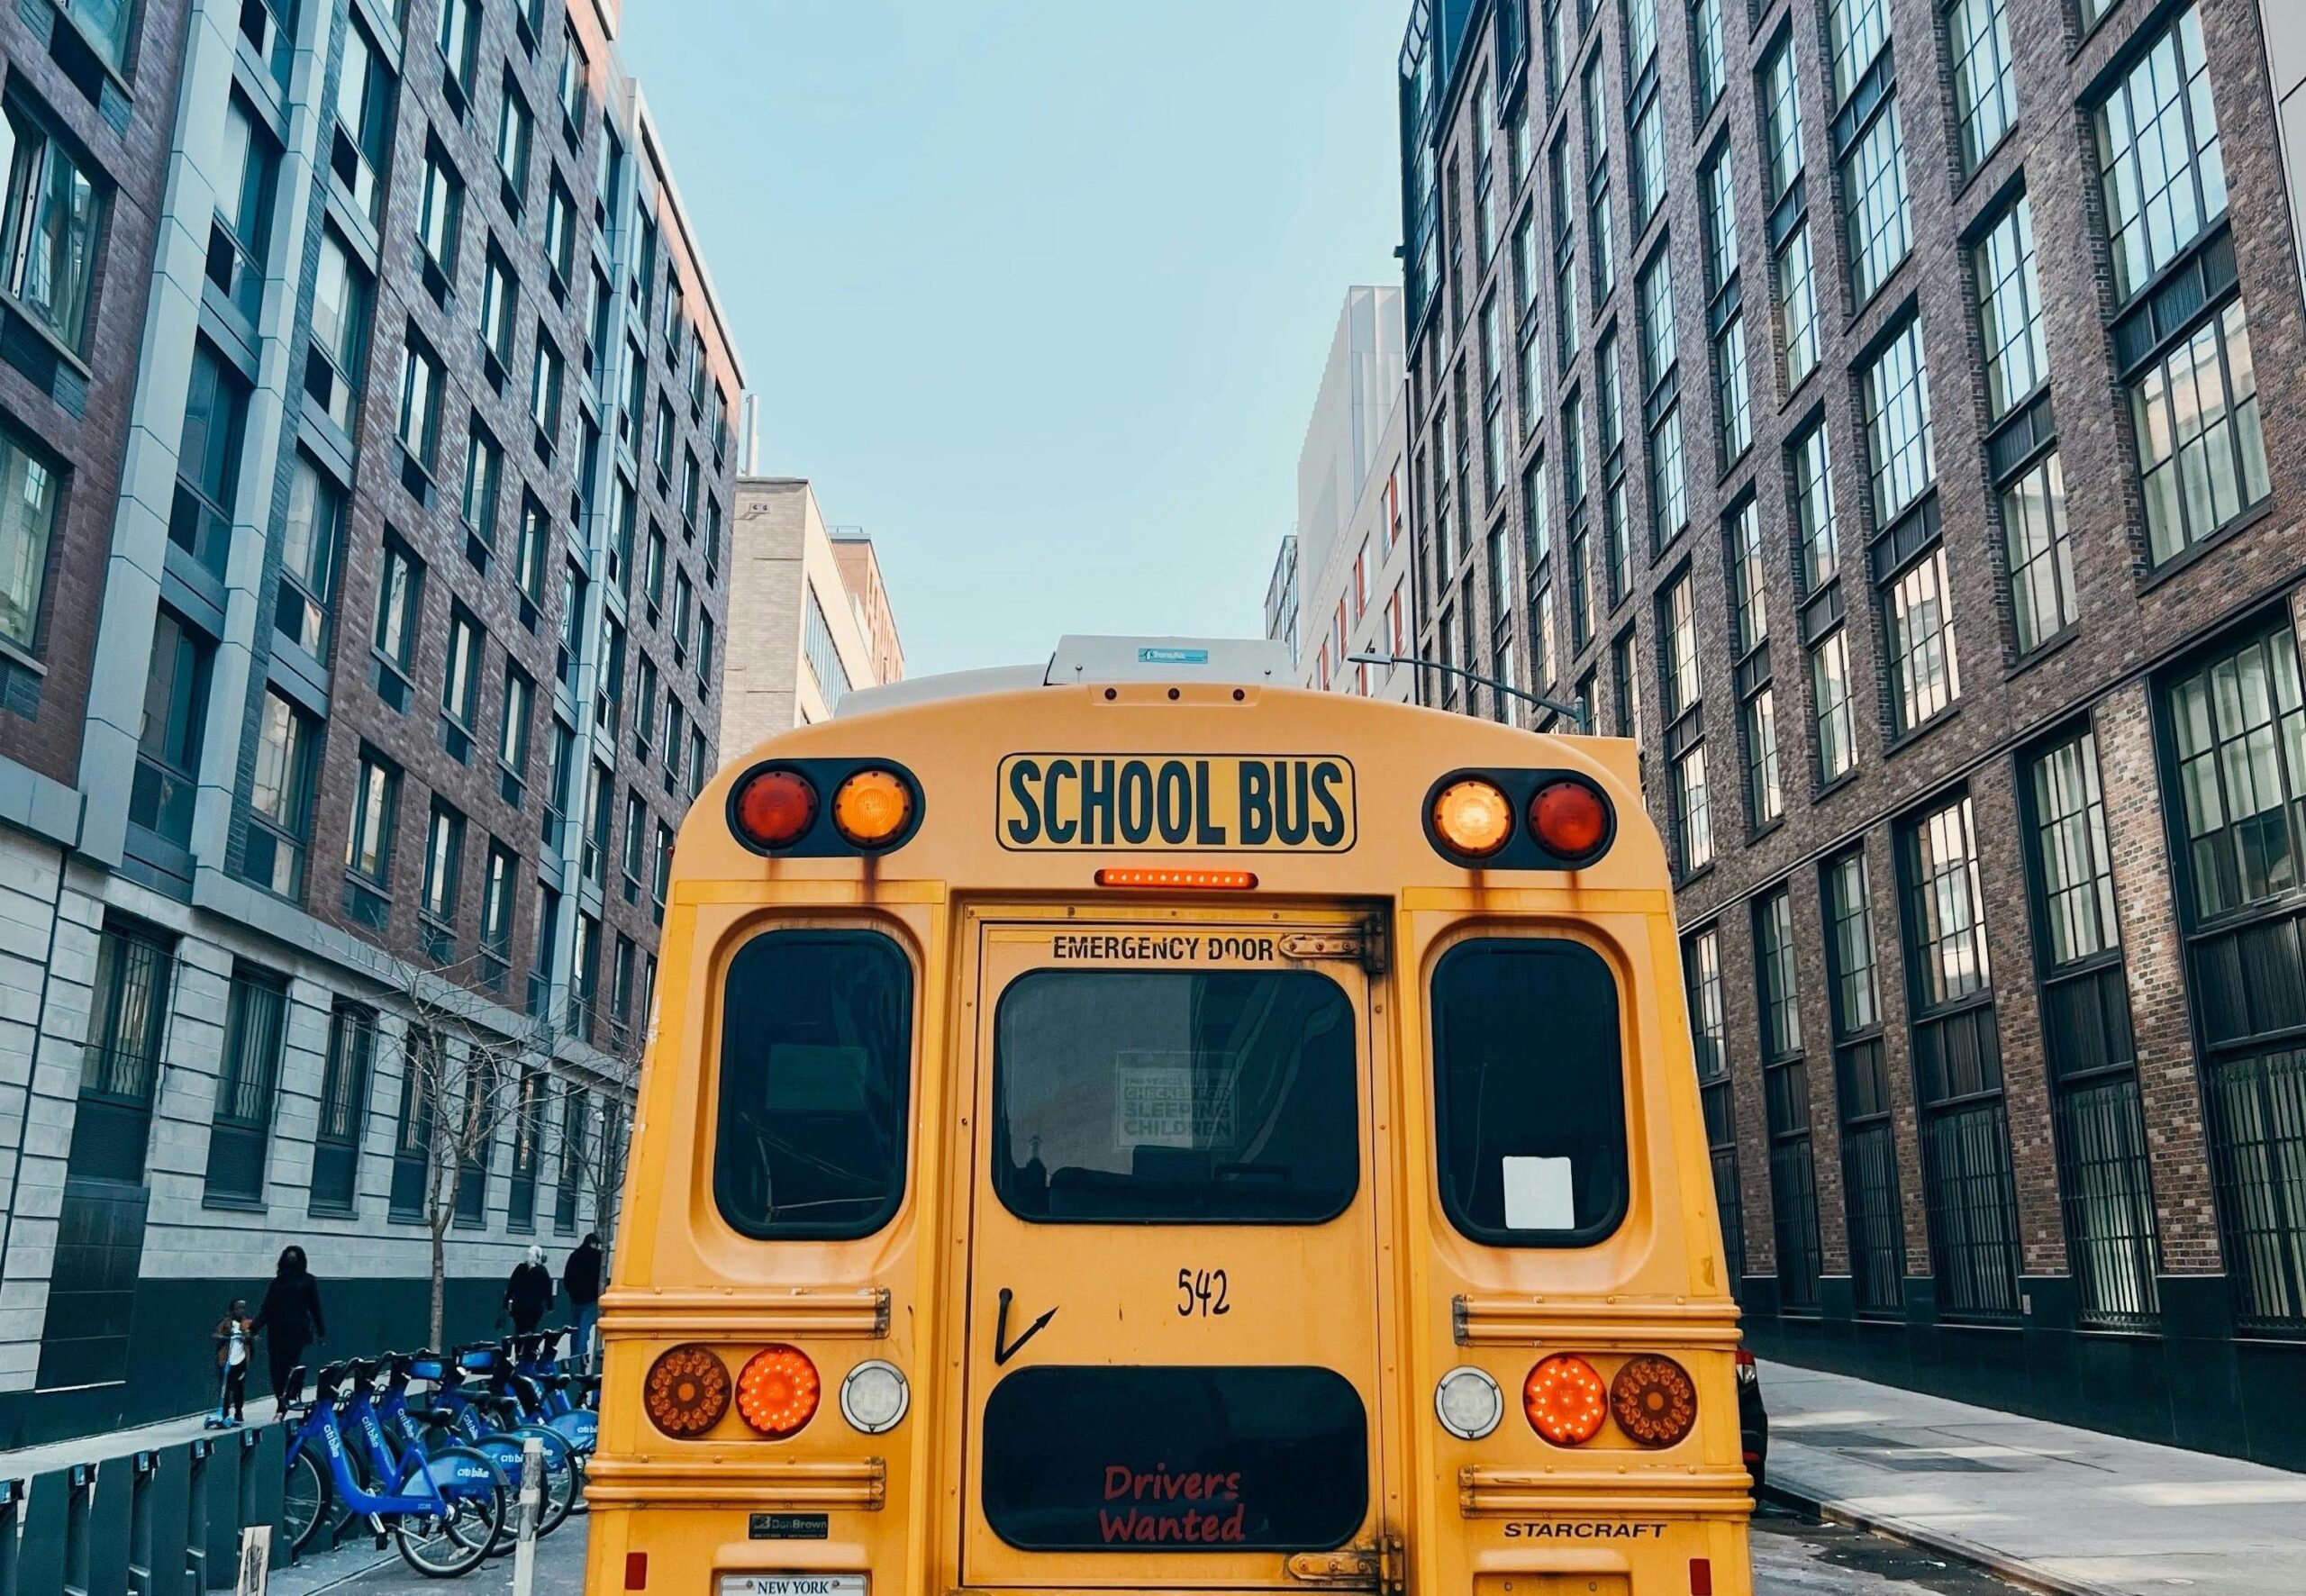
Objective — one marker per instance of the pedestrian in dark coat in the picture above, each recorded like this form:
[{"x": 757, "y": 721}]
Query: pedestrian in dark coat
[
  {"x": 529, "y": 1292},
  {"x": 290, "y": 1316},
  {"x": 580, "y": 1277}
]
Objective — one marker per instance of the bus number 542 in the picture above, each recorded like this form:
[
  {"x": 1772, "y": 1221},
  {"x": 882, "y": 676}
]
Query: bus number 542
[{"x": 1201, "y": 1291}]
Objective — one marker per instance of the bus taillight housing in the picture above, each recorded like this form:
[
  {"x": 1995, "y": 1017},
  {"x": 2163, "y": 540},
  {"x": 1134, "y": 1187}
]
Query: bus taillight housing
[
  {"x": 1519, "y": 819},
  {"x": 686, "y": 1390},
  {"x": 1564, "y": 1399}
]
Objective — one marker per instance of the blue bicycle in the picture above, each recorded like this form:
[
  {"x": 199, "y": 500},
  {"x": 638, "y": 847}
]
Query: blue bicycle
[
  {"x": 486, "y": 1422},
  {"x": 444, "y": 1510}
]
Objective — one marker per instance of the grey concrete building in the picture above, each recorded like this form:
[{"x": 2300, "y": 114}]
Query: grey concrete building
[
  {"x": 402, "y": 666},
  {"x": 1888, "y": 413}
]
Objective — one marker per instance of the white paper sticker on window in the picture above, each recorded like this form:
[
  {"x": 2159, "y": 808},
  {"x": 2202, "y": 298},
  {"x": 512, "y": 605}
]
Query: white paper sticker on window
[{"x": 1538, "y": 1195}]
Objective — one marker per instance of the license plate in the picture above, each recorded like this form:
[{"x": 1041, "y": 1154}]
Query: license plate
[{"x": 792, "y": 1584}]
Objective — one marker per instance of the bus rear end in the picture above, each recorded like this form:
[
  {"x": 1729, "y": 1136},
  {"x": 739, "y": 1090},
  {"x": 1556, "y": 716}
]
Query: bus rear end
[{"x": 1204, "y": 1153}]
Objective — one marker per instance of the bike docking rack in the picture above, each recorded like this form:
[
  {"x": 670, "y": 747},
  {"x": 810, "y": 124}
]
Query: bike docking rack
[{"x": 162, "y": 1521}]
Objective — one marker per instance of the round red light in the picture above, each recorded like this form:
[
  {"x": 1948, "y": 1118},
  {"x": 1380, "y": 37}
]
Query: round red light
[
  {"x": 1654, "y": 1400},
  {"x": 1570, "y": 819},
  {"x": 775, "y": 808}
]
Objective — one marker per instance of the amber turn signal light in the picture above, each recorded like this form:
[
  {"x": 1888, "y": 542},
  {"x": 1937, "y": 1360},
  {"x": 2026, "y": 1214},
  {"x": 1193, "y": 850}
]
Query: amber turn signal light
[
  {"x": 1200, "y": 881},
  {"x": 1564, "y": 1399},
  {"x": 872, "y": 808},
  {"x": 686, "y": 1390},
  {"x": 1571, "y": 820},
  {"x": 1473, "y": 818},
  {"x": 778, "y": 1393},
  {"x": 1654, "y": 1400},
  {"x": 776, "y": 808}
]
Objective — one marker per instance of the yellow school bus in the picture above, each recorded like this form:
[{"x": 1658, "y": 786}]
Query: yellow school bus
[{"x": 1138, "y": 1126}]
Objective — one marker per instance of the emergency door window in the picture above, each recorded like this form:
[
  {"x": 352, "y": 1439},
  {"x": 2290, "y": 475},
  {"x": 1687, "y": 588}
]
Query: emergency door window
[
  {"x": 1529, "y": 1092},
  {"x": 816, "y": 1066},
  {"x": 1189, "y": 1097}
]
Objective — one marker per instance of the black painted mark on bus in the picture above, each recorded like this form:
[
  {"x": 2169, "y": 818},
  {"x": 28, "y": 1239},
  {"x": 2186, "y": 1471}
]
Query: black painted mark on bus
[
  {"x": 1000, "y": 1354},
  {"x": 1201, "y": 1291}
]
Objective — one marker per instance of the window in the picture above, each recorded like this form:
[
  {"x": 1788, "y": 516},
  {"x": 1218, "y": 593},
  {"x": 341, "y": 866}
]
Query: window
[
  {"x": 816, "y": 1066},
  {"x": 169, "y": 743},
  {"x": 1640, "y": 36},
  {"x": 343, "y": 1108},
  {"x": 1862, "y": 1090},
  {"x": 1536, "y": 526},
  {"x": 1780, "y": 1011},
  {"x": 2042, "y": 562},
  {"x": 527, "y": 1151},
  {"x": 1829, "y": 693},
  {"x": 239, "y": 237},
  {"x": 661, "y": 875},
  {"x": 2239, "y": 730},
  {"x": 1625, "y": 691},
  {"x": 399, "y": 597},
  {"x": 280, "y": 795},
  {"x": 1693, "y": 812},
  {"x": 636, "y": 841},
  {"x": 500, "y": 297},
  {"x": 2071, "y": 853},
  {"x": 1528, "y": 1157},
  {"x": 1879, "y": 229},
  {"x": 1709, "y": 1040},
  {"x": 544, "y": 389},
  {"x": 1924, "y": 674},
  {"x": 483, "y": 475},
  {"x": 440, "y": 212},
  {"x": 27, "y": 523},
  {"x": 1856, "y": 32},
  {"x": 1749, "y": 607},
  {"x": 1797, "y": 306},
  {"x": 1764, "y": 792},
  {"x": 1733, "y": 404},
  {"x": 1781, "y": 106},
  {"x": 2160, "y": 164},
  {"x": 1811, "y": 470},
  {"x": 460, "y": 40},
  {"x": 823, "y": 657},
  {"x": 2194, "y": 415},
  {"x": 497, "y": 905},
  {"x": 254, "y": 1013},
  {"x": 1900, "y": 456},
  {"x": 1648, "y": 163},
  {"x": 664, "y": 441},
  {"x": 208, "y": 461},
  {"x": 376, "y": 798},
  {"x": 1977, "y": 35},
  {"x": 576, "y": 80},
  {"x": 460, "y": 677},
  {"x": 528, "y": 558},
  {"x": 1709, "y": 67},
  {"x": 560, "y": 233},
  {"x": 106, "y": 25},
  {"x": 362, "y": 147},
  {"x": 423, "y": 1072},
  {"x": 340, "y": 294},
  {"x": 513, "y": 728},
  {"x": 2010, "y": 305},
  {"x": 574, "y": 1139},
  {"x": 421, "y": 384},
  {"x": 1669, "y": 494},
  {"x": 1969, "y": 1193},
  {"x": 1677, "y": 654},
  {"x": 512, "y": 122},
  {"x": 444, "y": 852},
  {"x": 53, "y": 211}
]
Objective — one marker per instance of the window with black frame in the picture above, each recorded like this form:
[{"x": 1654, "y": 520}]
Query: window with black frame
[
  {"x": 1174, "y": 1096},
  {"x": 816, "y": 1071},
  {"x": 1529, "y": 1092},
  {"x": 1785, "y": 1098},
  {"x": 1869, "y": 1157}
]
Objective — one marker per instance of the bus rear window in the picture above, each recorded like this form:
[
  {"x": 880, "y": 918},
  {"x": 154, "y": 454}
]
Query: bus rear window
[
  {"x": 1185, "y": 1097},
  {"x": 1530, "y": 1093},
  {"x": 816, "y": 1066}
]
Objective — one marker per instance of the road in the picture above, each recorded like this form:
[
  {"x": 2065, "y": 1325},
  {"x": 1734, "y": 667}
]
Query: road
[{"x": 1791, "y": 1558}]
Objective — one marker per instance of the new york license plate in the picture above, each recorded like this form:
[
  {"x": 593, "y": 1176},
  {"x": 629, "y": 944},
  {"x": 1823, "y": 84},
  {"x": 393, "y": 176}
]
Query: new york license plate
[{"x": 792, "y": 1584}]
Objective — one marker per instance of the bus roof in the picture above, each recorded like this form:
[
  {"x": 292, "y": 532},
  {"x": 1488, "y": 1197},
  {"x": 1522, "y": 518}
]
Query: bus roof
[{"x": 1246, "y": 662}]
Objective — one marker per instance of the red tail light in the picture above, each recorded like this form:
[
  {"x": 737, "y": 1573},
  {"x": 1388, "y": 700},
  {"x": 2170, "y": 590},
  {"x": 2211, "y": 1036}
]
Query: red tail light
[
  {"x": 775, "y": 808},
  {"x": 1571, "y": 819},
  {"x": 636, "y": 1571}
]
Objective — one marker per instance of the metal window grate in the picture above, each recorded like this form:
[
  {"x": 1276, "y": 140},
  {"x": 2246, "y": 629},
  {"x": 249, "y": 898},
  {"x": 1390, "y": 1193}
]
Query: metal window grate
[
  {"x": 1877, "y": 1248},
  {"x": 2259, "y": 1148},
  {"x": 1973, "y": 1209},
  {"x": 1794, "y": 1201},
  {"x": 2103, "y": 1182}
]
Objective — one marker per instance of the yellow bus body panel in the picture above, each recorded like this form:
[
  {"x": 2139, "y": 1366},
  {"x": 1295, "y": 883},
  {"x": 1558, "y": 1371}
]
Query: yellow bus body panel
[{"x": 969, "y": 906}]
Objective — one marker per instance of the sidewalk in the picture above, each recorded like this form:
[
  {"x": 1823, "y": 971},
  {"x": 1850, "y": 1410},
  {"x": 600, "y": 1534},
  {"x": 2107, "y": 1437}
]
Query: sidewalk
[
  {"x": 2061, "y": 1509},
  {"x": 30, "y": 1461}
]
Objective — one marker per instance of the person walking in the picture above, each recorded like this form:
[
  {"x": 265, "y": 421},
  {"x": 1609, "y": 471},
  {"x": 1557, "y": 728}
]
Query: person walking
[
  {"x": 580, "y": 1277},
  {"x": 290, "y": 1317},
  {"x": 233, "y": 1333},
  {"x": 527, "y": 1293}
]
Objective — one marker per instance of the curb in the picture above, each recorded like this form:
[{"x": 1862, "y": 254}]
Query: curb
[{"x": 1999, "y": 1565}]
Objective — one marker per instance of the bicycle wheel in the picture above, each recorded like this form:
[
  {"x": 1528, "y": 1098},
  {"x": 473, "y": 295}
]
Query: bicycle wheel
[
  {"x": 454, "y": 1541},
  {"x": 305, "y": 1497}
]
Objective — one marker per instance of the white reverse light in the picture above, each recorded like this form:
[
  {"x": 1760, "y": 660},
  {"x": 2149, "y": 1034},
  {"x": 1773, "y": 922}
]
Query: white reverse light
[
  {"x": 874, "y": 1397},
  {"x": 1468, "y": 1402}
]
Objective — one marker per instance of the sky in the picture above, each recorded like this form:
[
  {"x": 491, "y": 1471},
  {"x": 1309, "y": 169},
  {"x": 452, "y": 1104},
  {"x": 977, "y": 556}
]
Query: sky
[{"x": 1036, "y": 292}]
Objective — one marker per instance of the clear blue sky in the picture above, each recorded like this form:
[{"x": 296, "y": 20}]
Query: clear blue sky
[{"x": 1037, "y": 291}]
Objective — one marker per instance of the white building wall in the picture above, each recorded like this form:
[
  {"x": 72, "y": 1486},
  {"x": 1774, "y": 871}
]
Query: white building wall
[{"x": 1360, "y": 600}]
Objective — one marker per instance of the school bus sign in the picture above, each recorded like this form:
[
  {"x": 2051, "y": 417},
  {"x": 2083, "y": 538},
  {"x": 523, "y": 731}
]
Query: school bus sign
[{"x": 1188, "y": 802}]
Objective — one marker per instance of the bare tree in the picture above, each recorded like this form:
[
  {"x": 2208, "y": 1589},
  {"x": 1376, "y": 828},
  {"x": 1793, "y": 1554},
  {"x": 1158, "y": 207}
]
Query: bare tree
[
  {"x": 604, "y": 1151},
  {"x": 461, "y": 1075}
]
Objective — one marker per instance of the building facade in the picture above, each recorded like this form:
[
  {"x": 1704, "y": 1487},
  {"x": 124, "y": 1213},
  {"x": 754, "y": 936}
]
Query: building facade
[
  {"x": 360, "y": 652},
  {"x": 1281, "y": 596},
  {"x": 809, "y": 618},
  {"x": 1887, "y": 412}
]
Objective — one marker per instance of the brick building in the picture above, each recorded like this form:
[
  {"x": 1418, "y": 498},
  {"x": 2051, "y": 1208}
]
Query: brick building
[
  {"x": 1888, "y": 412},
  {"x": 368, "y": 411}
]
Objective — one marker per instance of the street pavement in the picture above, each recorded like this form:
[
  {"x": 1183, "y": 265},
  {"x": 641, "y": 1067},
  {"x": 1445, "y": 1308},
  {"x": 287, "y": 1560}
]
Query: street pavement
[{"x": 2070, "y": 1509}]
